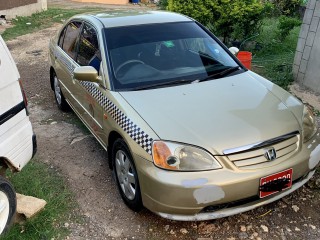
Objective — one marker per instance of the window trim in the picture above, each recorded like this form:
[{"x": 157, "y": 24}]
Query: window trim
[
  {"x": 63, "y": 32},
  {"x": 79, "y": 37}
]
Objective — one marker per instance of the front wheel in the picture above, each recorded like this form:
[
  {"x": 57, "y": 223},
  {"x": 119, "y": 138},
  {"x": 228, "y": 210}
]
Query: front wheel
[
  {"x": 8, "y": 204},
  {"x": 126, "y": 175}
]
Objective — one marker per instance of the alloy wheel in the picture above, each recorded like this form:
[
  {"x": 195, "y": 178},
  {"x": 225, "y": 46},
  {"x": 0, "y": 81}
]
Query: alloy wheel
[{"x": 125, "y": 174}]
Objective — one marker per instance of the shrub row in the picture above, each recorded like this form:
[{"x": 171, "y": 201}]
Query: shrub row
[{"x": 237, "y": 19}]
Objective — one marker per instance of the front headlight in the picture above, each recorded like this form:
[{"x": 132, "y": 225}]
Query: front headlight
[
  {"x": 309, "y": 124},
  {"x": 179, "y": 157}
]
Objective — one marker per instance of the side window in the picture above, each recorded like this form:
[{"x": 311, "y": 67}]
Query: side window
[
  {"x": 70, "y": 39},
  {"x": 88, "y": 53},
  {"x": 63, "y": 32}
]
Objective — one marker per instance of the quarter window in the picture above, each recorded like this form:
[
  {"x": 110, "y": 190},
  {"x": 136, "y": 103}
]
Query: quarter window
[
  {"x": 70, "y": 39},
  {"x": 89, "y": 54}
]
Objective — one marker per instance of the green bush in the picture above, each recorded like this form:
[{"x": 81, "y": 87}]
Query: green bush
[
  {"x": 285, "y": 25},
  {"x": 237, "y": 19},
  {"x": 269, "y": 9},
  {"x": 163, "y": 4},
  {"x": 288, "y": 8},
  {"x": 197, "y": 9}
]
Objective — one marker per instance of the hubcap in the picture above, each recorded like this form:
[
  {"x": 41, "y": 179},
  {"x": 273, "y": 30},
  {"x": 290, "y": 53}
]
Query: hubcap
[
  {"x": 57, "y": 90},
  {"x": 125, "y": 174},
  {"x": 4, "y": 211}
]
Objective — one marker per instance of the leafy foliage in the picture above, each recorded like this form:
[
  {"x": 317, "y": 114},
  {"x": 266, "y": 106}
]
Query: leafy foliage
[
  {"x": 275, "y": 58},
  {"x": 285, "y": 25},
  {"x": 163, "y": 4},
  {"x": 238, "y": 19},
  {"x": 285, "y": 7}
]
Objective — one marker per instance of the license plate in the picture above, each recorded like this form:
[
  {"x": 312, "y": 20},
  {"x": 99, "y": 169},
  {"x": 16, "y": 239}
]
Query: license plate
[{"x": 275, "y": 183}]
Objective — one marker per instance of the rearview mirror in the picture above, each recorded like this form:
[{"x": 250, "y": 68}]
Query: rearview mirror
[
  {"x": 234, "y": 50},
  {"x": 86, "y": 73}
]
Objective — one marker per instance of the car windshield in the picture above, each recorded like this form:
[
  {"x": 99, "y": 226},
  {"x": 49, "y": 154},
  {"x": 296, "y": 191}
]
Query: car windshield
[{"x": 153, "y": 55}]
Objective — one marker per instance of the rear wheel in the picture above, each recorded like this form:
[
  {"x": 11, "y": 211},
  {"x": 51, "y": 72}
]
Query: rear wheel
[
  {"x": 8, "y": 204},
  {"x": 61, "y": 101},
  {"x": 126, "y": 175}
]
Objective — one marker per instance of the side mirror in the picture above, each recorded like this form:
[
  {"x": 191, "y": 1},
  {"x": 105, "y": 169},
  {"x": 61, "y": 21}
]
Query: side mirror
[
  {"x": 234, "y": 50},
  {"x": 86, "y": 73}
]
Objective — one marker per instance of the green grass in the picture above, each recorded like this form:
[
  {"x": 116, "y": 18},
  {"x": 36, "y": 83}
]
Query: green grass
[
  {"x": 274, "y": 61},
  {"x": 39, "y": 180},
  {"x": 40, "y": 21}
]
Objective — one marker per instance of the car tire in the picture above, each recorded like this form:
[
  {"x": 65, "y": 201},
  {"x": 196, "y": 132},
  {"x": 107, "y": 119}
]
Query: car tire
[
  {"x": 60, "y": 99},
  {"x": 126, "y": 175},
  {"x": 8, "y": 204}
]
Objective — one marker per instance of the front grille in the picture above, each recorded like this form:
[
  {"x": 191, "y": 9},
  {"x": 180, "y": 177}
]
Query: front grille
[{"x": 254, "y": 157}]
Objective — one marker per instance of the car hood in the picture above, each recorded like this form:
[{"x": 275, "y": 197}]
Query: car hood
[{"x": 216, "y": 115}]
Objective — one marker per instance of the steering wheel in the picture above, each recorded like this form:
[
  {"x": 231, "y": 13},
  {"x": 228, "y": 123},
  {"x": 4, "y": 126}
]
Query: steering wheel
[{"x": 133, "y": 61}]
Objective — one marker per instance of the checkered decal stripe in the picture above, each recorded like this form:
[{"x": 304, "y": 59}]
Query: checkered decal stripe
[
  {"x": 124, "y": 122},
  {"x": 138, "y": 135}
]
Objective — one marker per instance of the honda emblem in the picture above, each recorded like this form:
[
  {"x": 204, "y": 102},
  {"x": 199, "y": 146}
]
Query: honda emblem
[{"x": 270, "y": 154}]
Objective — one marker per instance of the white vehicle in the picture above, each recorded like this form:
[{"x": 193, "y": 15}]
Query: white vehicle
[{"x": 17, "y": 140}]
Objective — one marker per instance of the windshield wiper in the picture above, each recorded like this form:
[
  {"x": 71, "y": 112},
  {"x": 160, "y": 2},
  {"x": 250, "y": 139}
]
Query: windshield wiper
[
  {"x": 223, "y": 73},
  {"x": 163, "y": 84}
]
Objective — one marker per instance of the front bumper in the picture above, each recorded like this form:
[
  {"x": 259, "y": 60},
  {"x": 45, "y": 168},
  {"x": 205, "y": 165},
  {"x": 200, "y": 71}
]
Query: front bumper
[
  {"x": 236, "y": 210},
  {"x": 186, "y": 196}
]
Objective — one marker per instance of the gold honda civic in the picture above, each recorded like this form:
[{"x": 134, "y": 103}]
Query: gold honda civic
[{"x": 191, "y": 134}]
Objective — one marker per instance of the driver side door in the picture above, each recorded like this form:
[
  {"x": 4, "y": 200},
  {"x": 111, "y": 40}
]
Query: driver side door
[{"x": 89, "y": 54}]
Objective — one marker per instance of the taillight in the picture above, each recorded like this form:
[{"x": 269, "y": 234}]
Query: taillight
[{"x": 24, "y": 96}]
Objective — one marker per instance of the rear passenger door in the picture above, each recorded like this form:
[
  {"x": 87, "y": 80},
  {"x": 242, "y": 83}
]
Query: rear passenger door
[{"x": 65, "y": 61}]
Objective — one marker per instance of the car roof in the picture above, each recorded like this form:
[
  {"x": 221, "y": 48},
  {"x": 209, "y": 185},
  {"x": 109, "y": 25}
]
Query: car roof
[{"x": 121, "y": 18}]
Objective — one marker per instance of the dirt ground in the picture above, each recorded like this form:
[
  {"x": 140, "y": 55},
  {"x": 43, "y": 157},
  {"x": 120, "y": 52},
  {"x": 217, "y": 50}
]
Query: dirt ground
[{"x": 64, "y": 144}]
